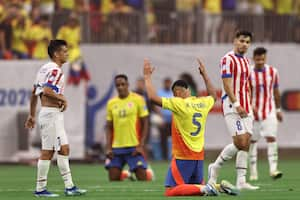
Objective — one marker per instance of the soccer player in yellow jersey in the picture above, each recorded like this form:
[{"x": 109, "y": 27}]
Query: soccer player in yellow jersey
[
  {"x": 20, "y": 29},
  {"x": 71, "y": 32},
  {"x": 185, "y": 175},
  {"x": 40, "y": 35},
  {"x": 127, "y": 126}
]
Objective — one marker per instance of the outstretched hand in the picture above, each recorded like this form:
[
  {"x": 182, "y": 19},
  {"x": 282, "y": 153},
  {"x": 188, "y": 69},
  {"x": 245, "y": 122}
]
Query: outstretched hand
[
  {"x": 201, "y": 67},
  {"x": 148, "y": 69}
]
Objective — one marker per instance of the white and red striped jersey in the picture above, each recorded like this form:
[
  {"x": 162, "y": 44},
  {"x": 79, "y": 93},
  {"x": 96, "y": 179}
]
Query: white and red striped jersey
[
  {"x": 49, "y": 75},
  {"x": 238, "y": 68},
  {"x": 263, "y": 83}
]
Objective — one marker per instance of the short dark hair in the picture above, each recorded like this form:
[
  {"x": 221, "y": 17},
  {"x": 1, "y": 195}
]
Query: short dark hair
[
  {"x": 244, "y": 33},
  {"x": 121, "y": 76},
  {"x": 180, "y": 83},
  {"x": 259, "y": 51},
  {"x": 55, "y": 45}
]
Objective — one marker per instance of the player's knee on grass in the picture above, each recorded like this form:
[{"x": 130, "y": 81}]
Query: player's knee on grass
[
  {"x": 149, "y": 175},
  {"x": 141, "y": 174},
  {"x": 114, "y": 174}
]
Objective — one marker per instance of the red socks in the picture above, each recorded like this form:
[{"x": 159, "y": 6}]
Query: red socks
[{"x": 184, "y": 190}]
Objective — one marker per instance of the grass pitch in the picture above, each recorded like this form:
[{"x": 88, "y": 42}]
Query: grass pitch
[{"x": 18, "y": 182}]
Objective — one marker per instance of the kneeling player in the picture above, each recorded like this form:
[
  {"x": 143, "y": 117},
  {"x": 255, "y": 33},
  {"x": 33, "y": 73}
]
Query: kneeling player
[
  {"x": 127, "y": 115},
  {"x": 185, "y": 174}
]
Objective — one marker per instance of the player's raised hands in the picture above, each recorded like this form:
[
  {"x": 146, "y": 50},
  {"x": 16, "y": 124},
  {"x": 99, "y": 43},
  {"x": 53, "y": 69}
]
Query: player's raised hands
[
  {"x": 30, "y": 122},
  {"x": 201, "y": 67},
  {"x": 148, "y": 68}
]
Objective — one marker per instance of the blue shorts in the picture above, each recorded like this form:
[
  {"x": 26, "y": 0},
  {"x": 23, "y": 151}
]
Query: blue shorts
[
  {"x": 184, "y": 172},
  {"x": 123, "y": 156}
]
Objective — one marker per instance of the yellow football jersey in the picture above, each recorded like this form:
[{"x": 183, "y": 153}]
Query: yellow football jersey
[
  {"x": 189, "y": 119},
  {"x": 72, "y": 36},
  {"x": 41, "y": 36},
  {"x": 125, "y": 114}
]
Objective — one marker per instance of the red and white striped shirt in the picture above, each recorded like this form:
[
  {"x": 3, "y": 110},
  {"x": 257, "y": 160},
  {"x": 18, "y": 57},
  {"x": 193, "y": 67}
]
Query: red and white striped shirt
[
  {"x": 238, "y": 68},
  {"x": 263, "y": 83},
  {"x": 49, "y": 75}
]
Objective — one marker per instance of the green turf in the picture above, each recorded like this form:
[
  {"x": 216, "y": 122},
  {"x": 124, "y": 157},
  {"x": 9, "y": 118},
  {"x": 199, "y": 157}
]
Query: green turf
[{"x": 17, "y": 182}]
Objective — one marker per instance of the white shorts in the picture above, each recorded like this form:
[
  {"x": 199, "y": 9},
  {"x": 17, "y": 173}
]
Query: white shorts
[
  {"x": 51, "y": 124},
  {"x": 237, "y": 125},
  {"x": 265, "y": 128}
]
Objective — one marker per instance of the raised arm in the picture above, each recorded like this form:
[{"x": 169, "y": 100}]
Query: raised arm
[
  {"x": 148, "y": 70},
  {"x": 209, "y": 86}
]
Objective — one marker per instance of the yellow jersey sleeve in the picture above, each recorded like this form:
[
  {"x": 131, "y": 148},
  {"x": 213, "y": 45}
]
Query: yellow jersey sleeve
[
  {"x": 61, "y": 33},
  {"x": 209, "y": 101},
  {"x": 109, "y": 116},
  {"x": 142, "y": 107},
  {"x": 175, "y": 104}
]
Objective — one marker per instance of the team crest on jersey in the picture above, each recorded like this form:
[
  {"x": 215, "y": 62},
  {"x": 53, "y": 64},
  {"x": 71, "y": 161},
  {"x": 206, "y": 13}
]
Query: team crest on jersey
[
  {"x": 52, "y": 76},
  {"x": 130, "y": 105}
]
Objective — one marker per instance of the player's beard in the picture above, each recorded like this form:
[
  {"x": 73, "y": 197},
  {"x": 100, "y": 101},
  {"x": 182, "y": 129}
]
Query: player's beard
[{"x": 242, "y": 51}]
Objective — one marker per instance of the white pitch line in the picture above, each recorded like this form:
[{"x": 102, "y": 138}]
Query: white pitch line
[
  {"x": 101, "y": 189},
  {"x": 90, "y": 188}
]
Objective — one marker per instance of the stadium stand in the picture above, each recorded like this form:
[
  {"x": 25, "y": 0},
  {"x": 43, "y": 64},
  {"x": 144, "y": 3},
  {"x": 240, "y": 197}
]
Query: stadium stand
[{"x": 151, "y": 21}]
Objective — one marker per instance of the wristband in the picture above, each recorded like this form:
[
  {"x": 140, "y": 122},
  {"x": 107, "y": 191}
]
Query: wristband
[
  {"x": 278, "y": 110},
  {"x": 236, "y": 104}
]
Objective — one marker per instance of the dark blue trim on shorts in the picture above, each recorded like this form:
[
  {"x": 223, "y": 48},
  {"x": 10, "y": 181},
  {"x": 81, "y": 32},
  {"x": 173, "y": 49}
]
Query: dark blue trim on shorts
[{"x": 224, "y": 97}]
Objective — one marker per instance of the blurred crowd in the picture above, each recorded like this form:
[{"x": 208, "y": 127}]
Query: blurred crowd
[{"x": 26, "y": 26}]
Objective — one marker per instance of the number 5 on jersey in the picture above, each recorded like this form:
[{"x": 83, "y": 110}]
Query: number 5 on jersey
[{"x": 197, "y": 124}]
